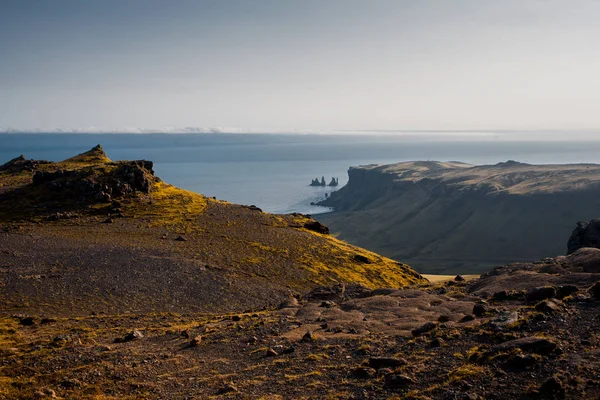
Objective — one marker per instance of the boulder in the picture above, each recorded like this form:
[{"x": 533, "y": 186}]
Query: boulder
[
  {"x": 586, "y": 234},
  {"x": 531, "y": 344},
  {"x": 386, "y": 362},
  {"x": 429, "y": 326},
  {"x": 540, "y": 293}
]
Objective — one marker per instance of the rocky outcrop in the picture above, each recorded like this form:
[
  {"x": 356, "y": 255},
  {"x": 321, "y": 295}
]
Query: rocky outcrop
[
  {"x": 586, "y": 234},
  {"x": 334, "y": 182},
  {"x": 20, "y": 164},
  {"x": 95, "y": 185},
  {"x": 316, "y": 182}
]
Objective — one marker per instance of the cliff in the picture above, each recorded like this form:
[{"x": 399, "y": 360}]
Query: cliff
[{"x": 448, "y": 217}]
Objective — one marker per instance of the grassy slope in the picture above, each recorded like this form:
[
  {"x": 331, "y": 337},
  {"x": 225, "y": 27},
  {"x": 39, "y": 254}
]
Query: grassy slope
[{"x": 233, "y": 258}]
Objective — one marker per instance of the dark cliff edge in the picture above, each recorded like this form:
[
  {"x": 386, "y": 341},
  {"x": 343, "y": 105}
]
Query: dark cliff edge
[{"x": 454, "y": 217}]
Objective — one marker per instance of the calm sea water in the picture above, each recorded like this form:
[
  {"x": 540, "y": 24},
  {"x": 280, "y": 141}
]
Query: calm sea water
[{"x": 273, "y": 171}]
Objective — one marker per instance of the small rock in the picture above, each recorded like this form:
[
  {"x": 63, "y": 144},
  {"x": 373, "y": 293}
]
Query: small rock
[
  {"x": 537, "y": 345},
  {"x": 548, "y": 307},
  {"x": 327, "y": 304},
  {"x": 271, "y": 353},
  {"x": 27, "y": 321},
  {"x": 540, "y": 293},
  {"x": 386, "y": 362},
  {"x": 50, "y": 393},
  {"x": 443, "y": 318},
  {"x": 133, "y": 335},
  {"x": 595, "y": 290},
  {"x": 108, "y": 220},
  {"x": 363, "y": 372},
  {"x": 180, "y": 239},
  {"x": 467, "y": 318},
  {"x": 236, "y": 318},
  {"x": 39, "y": 395},
  {"x": 185, "y": 334},
  {"x": 309, "y": 337},
  {"x": 436, "y": 342},
  {"x": 552, "y": 389},
  {"x": 398, "y": 381},
  {"x": 459, "y": 278},
  {"x": 429, "y": 326},
  {"x": 520, "y": 361},
  {"x": 289, "y": 303},
  {"x": 566, "y": 290},
  {"x": 229, "y": 388},
  {"x": 479, "y": 310},
  {"x": 196, "y": 341}
]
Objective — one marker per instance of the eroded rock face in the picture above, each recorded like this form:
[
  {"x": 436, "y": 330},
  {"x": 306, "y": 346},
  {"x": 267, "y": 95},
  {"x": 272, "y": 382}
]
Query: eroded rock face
[
  {"x": 98, "y": 186},
  {"x": 587, "y": 234}
]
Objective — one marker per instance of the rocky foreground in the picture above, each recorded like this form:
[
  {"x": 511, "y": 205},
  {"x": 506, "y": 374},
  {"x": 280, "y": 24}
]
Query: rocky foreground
[
  {"x": 444, "y": 217},
  {"x": 524, "y": 331},
  {"x": 161, "y": 294}
]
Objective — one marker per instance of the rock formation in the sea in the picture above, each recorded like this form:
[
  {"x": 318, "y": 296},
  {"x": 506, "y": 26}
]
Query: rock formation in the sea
[
  {"x": 322, "y": 182},
  {"x": 454, "y": 217}
]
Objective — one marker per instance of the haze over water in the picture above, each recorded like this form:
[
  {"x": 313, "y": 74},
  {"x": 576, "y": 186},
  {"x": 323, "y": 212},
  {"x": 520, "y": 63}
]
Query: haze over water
[{"x": 273, "y": 171}]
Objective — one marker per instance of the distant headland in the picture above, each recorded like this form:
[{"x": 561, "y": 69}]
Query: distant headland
[{"x": 317, "y": 182}]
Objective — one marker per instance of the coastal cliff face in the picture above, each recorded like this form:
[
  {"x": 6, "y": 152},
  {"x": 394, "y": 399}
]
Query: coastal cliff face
[{"x": 448, "y": 217}]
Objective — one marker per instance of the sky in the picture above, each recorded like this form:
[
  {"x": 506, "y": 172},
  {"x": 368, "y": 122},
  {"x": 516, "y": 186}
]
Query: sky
[{"x": 306, "y": 65}]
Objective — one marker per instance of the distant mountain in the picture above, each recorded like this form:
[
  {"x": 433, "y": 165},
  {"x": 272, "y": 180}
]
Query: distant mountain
[{"x": 449, "y": 217}]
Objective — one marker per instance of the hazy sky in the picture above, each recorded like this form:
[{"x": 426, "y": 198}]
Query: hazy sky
[{"x": 286, "y": 64}]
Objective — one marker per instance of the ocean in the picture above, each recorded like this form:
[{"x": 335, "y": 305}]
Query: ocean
[{"x": 274, "y": 171}]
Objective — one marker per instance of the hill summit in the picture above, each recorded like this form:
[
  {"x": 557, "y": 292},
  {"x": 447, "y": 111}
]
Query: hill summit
[{"x": 89, "y": 234}]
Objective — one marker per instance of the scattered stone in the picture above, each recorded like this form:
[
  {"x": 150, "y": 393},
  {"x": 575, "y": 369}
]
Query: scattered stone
[
  {"x": 363, "y": 372},
  {"x": 236, "y": 318},
  {"x": 229, "y": 388},
  {"x": 309, "y": 337},
  {"x": 566, "y": 290},
  {"x": 180, "y": 239},
  {"x": 27, "y": 321},
  {"x": 548, "y": 307},
  {"x": 386, "y": 362},
  {"x": 595, "y": 290},
  {"x": 328, "y": 304},
  {"x": 429, "y": 326},
  {"x": 47, "y": 321},
  {"x": 398, "y": 381},
  {"x": 436, "y": 342},
  {"x": 289, "y": 303},
  {"x": 108, "y": 220},
  {"x": 537, "y": 345},
  {"x": 459, "y": 278},
  {"x": 552, "y": 389},
  {"x": 479, "y": 310},
  {"x": 443, "y": 318},
  {"x": 316, "y": 226},
  {"x": 185, "y": 334},
  {"x": 467, "y": 318},
  {"x": 520, "y": 361},
  {"x": 50, "y": 393},
  {"x": 271, "y": 353},
  {"x": 197, "y": 341},
  {"x": 540, "y": 293},
  {"x": 133, "y": 335}
]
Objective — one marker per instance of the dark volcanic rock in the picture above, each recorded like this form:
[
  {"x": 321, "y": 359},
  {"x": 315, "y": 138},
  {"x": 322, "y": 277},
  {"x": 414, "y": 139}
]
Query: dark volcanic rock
[
  {"x": 398, "y": 381},
  {"x": 537, "y": 345},
  {"x": 429, "y": 326},
  {"x": 540, "y": 293},
  {"x": 316, "y": 226},
  {"x": 386, "y": 362},
  {"x": 586, "y": 234}
]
